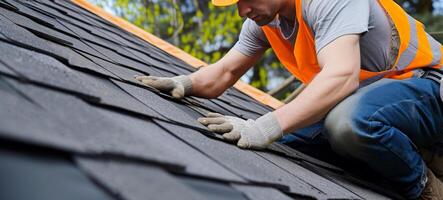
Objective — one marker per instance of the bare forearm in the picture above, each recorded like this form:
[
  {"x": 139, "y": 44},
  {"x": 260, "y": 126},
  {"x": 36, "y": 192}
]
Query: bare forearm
[
  {"x": 321, "y": 95},
  {"x": 211, "y": 81}
]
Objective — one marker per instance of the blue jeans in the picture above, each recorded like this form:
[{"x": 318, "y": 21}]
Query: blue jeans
[{"x": 383, "y": 125}]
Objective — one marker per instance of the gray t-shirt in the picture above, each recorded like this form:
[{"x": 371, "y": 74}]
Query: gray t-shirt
[{"x": 330, "y": 19}]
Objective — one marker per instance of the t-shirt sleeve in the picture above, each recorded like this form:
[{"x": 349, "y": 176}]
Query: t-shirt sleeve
[
  {"x": 331, "y": 19},
  {"x": 252, "y": 39}
]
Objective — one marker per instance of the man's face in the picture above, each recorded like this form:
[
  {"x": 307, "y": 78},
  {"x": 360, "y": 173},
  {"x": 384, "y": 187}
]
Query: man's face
[{"x": 261, "y": 11}]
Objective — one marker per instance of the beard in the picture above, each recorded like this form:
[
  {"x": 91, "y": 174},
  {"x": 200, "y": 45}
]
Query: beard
[{"x": 263, "y": 20}]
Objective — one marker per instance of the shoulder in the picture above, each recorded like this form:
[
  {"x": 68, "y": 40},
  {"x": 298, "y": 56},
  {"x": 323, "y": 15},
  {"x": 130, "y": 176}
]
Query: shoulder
[
  {"x": 330, "y": 19},
  {"x": 252, "y": 39},
  {"x": 250, "y": 25},
  {"x": 314, "y": 9},
  {"x": 251, "y": 30},
  {"x": 324, "y": 13}
]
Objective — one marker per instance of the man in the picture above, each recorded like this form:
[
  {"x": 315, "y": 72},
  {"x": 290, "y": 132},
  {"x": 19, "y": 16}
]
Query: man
[{"x": 372, "y": 74}]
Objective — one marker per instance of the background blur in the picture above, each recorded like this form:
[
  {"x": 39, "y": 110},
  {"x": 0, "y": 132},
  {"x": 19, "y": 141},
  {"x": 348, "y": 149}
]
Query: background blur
[{"x": 208, "y": 32}]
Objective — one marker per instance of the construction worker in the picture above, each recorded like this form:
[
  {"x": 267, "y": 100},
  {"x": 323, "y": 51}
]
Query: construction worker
[{"x": 373, "y": 84}]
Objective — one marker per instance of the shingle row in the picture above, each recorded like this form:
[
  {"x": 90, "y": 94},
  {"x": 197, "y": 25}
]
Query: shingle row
[{"x": 66, "y": 85}]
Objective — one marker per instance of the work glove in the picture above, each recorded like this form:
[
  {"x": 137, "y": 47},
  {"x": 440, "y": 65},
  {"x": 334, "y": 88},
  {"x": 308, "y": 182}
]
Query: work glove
[
  {"x": 177, "y": 86},
  {"x": 254, "y": 134}
]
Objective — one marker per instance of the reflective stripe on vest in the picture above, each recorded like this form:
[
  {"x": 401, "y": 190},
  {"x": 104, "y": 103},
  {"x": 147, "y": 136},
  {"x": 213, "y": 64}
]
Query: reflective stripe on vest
[
  {"x": 441, "y": 58},
  {"x": 417, "y": 48}
]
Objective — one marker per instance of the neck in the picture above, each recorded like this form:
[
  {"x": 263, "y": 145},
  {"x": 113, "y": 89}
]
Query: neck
[{"x": 288, "y": 10}]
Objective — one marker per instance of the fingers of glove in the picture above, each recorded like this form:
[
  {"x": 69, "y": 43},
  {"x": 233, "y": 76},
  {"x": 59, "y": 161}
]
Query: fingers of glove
[
  {"x": 178, "y": 92},
  {"x": 144, "y": 79},
  {"x": 232, "y": 136},
  {"x": 211, "y": 120},
  {"x": 243, "y": 143},
  {"x": 140, "y": 78},
  {"x": 221, "y": 128},
  {"x": 214, "y": 115},
  {"x": 246, "y": 143},
  {"x": 249, "y": 137},
  {"x": 162, "y": 84}
]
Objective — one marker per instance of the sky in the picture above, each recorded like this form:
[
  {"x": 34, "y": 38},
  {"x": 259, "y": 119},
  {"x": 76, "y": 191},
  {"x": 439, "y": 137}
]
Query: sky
[{"x": 439, "y": 6}]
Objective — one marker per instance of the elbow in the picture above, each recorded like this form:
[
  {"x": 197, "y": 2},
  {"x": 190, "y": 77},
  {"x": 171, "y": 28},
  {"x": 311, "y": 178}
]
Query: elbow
[
  {"x": 353, "y": 86},
  {"x": 354, "y": 79},
  {"x": 346, "y": 80},
  {"x": 352, "y": 82}
]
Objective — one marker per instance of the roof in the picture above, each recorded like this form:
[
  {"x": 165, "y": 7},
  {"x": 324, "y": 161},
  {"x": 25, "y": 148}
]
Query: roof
[
  {"x": 176, "y": 52},
  {"x": 74, "y": 124}
]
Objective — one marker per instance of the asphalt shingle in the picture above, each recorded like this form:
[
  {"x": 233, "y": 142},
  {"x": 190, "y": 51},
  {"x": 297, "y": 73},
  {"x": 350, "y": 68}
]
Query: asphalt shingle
[
  {"x": 135, "y": 181},
  {"x": 67, "y": 85},
  {"x": 261, "y": 193}
]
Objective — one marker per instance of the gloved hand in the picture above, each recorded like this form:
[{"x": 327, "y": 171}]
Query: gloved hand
[
  {"x": 255, "y": 134},
  {"x": 178, "y": 86}
]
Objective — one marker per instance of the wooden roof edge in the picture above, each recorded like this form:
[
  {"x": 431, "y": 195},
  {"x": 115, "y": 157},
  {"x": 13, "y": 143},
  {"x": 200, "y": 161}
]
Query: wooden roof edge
[{"x": 255, "y": 93}]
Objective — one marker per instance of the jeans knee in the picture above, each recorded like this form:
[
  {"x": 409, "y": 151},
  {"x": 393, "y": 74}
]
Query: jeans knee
[{"x": 341, "y": 131}]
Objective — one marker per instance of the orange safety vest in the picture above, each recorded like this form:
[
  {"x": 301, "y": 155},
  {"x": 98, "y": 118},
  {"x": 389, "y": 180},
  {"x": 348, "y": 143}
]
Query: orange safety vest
[{"x": 417, "y": 49}]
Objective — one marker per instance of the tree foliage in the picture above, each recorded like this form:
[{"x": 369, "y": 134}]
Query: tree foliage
[
  {"x": 208, "y": 32},
  {"x": 195, "y": 26}
]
